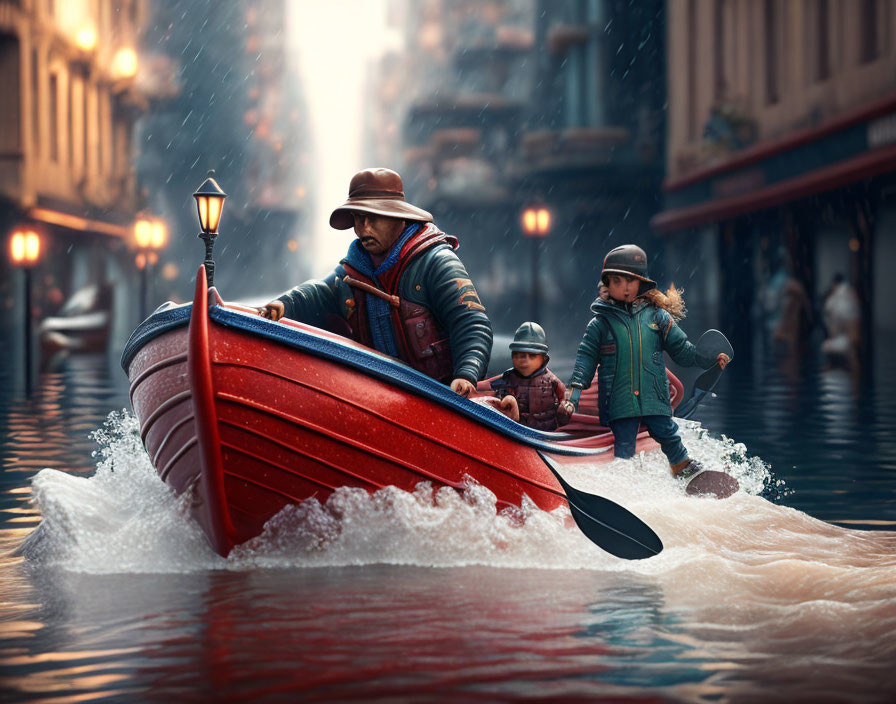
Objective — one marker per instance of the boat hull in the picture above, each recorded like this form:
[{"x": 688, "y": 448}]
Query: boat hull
[{"x": 251, "y": 416}]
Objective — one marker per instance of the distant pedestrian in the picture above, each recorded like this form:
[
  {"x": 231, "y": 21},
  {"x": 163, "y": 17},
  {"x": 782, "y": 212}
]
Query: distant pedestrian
[
  {"x": 786, "y": 308},
  {"x": 842, "y": 315}
]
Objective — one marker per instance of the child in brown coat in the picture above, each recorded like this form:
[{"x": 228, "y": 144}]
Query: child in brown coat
[{"x": 535, "y": 388}]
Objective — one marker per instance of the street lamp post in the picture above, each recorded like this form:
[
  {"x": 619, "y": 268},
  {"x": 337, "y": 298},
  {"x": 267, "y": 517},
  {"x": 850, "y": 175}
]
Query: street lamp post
[
  {"x": 142, "y": 236},
  {"x": 24, "y": 250},
  {"x": 209, "y": 202},
  {"x": 536, "y": 226},
  {"x": 150, "y": 236}
]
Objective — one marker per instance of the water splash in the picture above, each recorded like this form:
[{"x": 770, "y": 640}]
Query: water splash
[
  {"x": 121, "y": 519},
  {"x": 125, "y": 519}
]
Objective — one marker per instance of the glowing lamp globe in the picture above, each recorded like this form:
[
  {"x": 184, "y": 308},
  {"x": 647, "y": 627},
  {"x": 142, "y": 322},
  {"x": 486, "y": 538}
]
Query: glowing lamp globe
[
  {"x": 209, "y": 202},
  {"x": 24, "y": 248},
  {"x": 536, "y": 221},
  {"x": 143, "y": 233}
]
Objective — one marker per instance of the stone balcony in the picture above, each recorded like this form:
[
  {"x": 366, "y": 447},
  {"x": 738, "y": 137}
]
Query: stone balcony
[{"x": 573, "y": 147}]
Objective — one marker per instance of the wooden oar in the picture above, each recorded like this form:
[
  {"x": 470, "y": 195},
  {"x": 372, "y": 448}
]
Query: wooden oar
[{"x": 607, "y": 524}]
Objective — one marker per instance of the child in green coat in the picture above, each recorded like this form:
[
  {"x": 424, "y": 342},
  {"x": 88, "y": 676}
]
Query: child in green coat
[{"x": 633, "y": 324}]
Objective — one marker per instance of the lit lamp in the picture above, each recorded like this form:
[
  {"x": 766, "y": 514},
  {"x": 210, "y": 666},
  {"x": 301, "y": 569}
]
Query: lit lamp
[
  {"x": 149, "y": 236},
  {"x": 159, "y": 236},
  {"x": 24, "y": 251},
  {"x": 536, "y": 225},
  {"x": 86, "y": 38},
  {"x": 536, "y": 221},
  {"x": 209, "y": 202},
  {"x": 124, "y": 63}
]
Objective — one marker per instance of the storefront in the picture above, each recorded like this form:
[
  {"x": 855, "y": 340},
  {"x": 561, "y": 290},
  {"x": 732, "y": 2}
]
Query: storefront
[{"x": 814, "y": 203}]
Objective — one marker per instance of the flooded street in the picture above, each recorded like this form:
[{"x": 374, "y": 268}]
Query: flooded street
[
  {"x": 429, "y": 177},
  {"x": 772, "y": 595}
]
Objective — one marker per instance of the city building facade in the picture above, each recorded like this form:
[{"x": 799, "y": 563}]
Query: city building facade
[
  {"x": 511, "y": 105},
  {"x": 68, "y": 75},
  {"x": 781, "y": 156},
  {"x": 233, "y": 104}
]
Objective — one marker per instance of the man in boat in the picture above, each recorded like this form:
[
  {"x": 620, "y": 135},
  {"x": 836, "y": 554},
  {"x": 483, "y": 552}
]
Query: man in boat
[{"x": 401, "y": 289}]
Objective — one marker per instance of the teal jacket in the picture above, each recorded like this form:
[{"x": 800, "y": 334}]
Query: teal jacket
[
  {"x": 434, "y": 282},
  {"x": 627, "y": 342}
]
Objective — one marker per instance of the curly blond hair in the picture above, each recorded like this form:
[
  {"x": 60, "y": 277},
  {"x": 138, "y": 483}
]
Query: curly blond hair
[{"x": 670, "y": 301}]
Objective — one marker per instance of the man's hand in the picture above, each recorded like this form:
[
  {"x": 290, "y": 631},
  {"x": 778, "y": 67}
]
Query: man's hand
[
  {"x": 723, "y": 360},
  {"x": 462, "y": 387},
  {"x": 510, "y": 408},
  {"x": 273, "y": 310}
]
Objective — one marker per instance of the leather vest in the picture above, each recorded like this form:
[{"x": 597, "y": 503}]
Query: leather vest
[
  {"x": 422, "y": 343},
  {"x": 537, "y": 396}
]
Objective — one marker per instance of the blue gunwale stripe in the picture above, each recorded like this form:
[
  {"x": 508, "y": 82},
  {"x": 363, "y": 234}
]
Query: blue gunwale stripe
[{"x": 368, "y": 362}]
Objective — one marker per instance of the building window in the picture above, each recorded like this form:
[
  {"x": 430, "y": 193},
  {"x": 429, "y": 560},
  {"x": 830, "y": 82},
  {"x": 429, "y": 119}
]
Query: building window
[
  {"x": 10, "y": 119},
  {"x": 869, "y": 47},
  {"x": 691, "y": 97},
  {"x": 35, "y": 100},
  {"x": 54, "y": 117},
  {"x": 718, "y": 48},
  {"x": 823, "y": 54},
  {"x": 70, "y": 125},
  {"x": 771, "y": 52},
  {"x": 100, "y": 134}
]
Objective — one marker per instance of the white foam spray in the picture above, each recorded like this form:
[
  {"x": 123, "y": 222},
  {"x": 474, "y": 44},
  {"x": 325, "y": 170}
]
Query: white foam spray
[
  {"x": 125, "y": 519},
  {"x": 748, "y": 575}
]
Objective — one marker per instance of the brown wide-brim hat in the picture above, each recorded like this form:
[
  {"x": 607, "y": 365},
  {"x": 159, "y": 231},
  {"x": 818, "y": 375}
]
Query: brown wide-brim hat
[{"x": 376, "y": 191}]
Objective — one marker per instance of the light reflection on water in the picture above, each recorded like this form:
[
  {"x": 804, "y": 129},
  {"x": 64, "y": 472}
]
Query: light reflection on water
[
  {"x": 827, "y": 433},
  {"x": 401, "y": 632},
  {"x": 384, "y": 631}
]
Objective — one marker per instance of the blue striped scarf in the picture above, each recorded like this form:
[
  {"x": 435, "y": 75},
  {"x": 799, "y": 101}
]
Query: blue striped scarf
[{"x": 378, "y": 313}]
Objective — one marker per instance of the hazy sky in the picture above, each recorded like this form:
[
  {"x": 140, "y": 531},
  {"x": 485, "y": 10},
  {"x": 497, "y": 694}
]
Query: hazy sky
[{"x": 334, "y": 40}]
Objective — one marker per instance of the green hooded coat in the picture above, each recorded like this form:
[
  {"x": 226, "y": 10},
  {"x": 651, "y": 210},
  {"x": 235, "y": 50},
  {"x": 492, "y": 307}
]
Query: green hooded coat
[{"x": 627, "y": 342}]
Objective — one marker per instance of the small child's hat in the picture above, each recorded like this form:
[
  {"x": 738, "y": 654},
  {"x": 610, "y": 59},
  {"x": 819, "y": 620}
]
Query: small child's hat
[
  {"x": 629, "y": 260},
  {"x": 529, "y": 337}
]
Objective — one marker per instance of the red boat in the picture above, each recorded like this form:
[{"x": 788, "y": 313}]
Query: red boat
[{"x": 251, "y": 415}]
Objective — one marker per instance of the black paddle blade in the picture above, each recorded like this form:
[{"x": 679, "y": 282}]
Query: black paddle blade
[
  {"x": 711, "y": 344},
  {"x": 688, "y": 407},
  {"x": 607, "y": 524}
]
